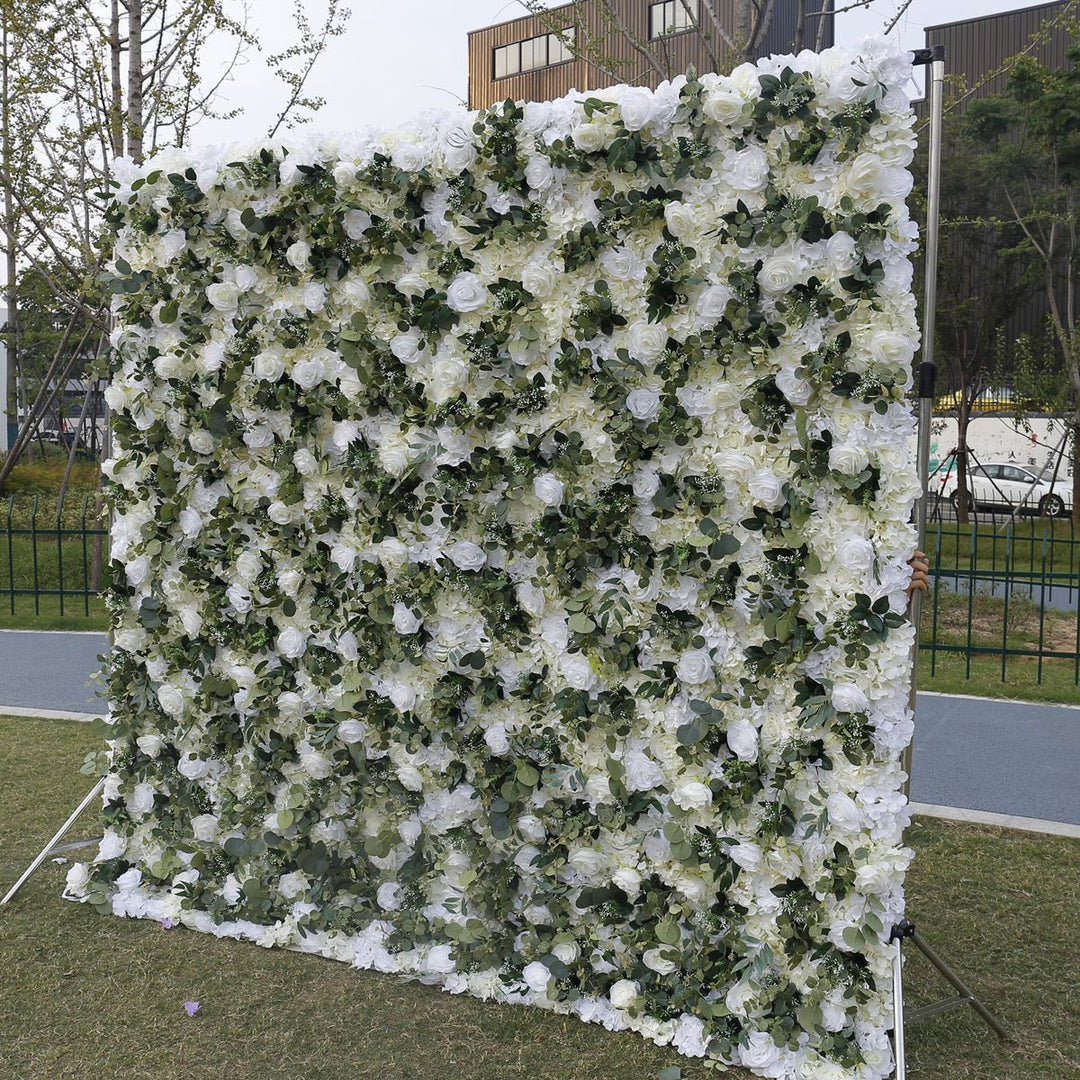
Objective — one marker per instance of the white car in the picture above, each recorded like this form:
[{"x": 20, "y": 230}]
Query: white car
[{"x": 1006, "y": 486}]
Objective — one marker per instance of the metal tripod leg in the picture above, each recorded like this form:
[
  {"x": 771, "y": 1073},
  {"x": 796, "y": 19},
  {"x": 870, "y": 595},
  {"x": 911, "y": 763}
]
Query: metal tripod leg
[
  {"x": 965, "y": 995},
  {"x": 48, "y": 849}
]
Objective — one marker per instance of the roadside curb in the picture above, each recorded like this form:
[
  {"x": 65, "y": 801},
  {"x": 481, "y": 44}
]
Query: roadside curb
[
  {"x": 49, "y": 714},
  {"x": 1004, "y": 821}
]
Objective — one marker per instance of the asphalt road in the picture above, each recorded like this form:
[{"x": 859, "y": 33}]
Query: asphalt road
[{"x": 998, "y": 756}]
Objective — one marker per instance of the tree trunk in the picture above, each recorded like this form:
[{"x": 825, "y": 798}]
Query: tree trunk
[
  {"x": 1076, "y": 468},
  {"x": 135, "y": 80},
  {"x": 116, "y": 103},
  {"x": 963, "y": 419},
  {"x": 10, "y": 236},
  {"x": 741, "y": 30}
]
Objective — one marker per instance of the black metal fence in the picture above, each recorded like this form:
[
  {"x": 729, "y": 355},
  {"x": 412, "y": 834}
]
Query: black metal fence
[
  {"x": 1006, "y": 590},
  {"x": 53, "y": 556}
]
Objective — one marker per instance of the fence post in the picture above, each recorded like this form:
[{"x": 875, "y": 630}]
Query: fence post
[{"x": 34, "y": 552}]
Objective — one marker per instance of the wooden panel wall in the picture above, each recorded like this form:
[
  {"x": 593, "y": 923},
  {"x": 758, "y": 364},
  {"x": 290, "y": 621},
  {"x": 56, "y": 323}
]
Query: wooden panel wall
[{"x": 545, "y": 83}]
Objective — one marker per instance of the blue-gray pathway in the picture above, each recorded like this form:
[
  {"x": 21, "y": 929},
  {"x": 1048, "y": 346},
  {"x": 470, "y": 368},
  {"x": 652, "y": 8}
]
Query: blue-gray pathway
[{"x": 998, "y": 756}]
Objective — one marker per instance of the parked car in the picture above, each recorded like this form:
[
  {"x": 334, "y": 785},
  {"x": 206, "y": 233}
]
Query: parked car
[{"x": 1004, "y": 485}]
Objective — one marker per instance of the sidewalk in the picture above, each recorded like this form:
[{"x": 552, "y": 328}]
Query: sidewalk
[{"x": 998, "y": 756}]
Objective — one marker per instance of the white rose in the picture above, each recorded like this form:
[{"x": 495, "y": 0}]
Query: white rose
[
  {"x": 389, "y": 896},
  {"x": 408, "y": 157},
  {"x": 308, "y": 372},
  {"x": 314, "y": 296},
  {"x": 796, "y": 390},
  {"x": 843, "y": 811},
  {"x": 742, "y": 738},
  {"x": 746, "y": 170},
  {"x": 78, "y": 877},
  {"x": 408, "y": 347},
  {"x": 692, "y": 795},
  {"x": 627, "y": 879},
  {"x": 875, "y": 877},
  {"x": 171, "y": 699},
  {"x": 566, "y": 951},
  {"x": 636, "y": 106},
  {"x": 356, "y": 223},
  {"x": 549, "y": 489},
  {"x": 642, "y": 773},
  {"x": 498, "y": 741},
  {"x": 724, "y": 105},
  {"x": 645, "y": 484},
  {"x": 695, "y": 402},
  {"x": 269, "y": 365},
  {"x": 779, "y": 273},
  {"x": 112, "y": 846},
  {"x": 540, "y": 277},
  {"x": 439, "y": 960},
  {"x": 289, "y": 581},
  {"x": 643, "y": 404},
  {"x": 849, "y": 460},
  {"x": 448, "y": 375},
  {"x": 298, "y": 254},
  {"x": 466, "y": 555},
  {"x": 466, "y": 293},
  {"x": 856, "y": 554},
  {"x": 759, "y": 1053},
  {"x": 406, "y": 621},
  {"x": 654, "y": 960},
  {"x": 393, "y": 554},
  {"x": 577, "y": 671},
  {"x": 190, "y": 522},
  {"x": 766, "y": 489},
  {"x": 279, "y": 513},
  {"x": 142, "y": 799},
  {"x": 713, "y": 301},
  {"x": 747, "y": 855},
  {"x": 151, "y": 744},
  {"x": 539, "y": 173},
  {"x": 849, "y": 698},
  {"x": 647, "y": 341},
  {"x": 621, "y": 265},
  {"x": 403, "y": 696},
  {"x": 292, "y": 643},
  {"x": 351, "y": 731},
  {"x": 201, "y": 441},
  {"x": 537, "y": 977},
  {"x": 694, "y": 667},
  {"x": 205, "y": 827},
  {"x": 137, "y": 570},
  {"x": 623, "y": 994},
  {"x": 591, "y": 136},
  {"x": 223, "y": 296},
  {"x": 194, "y": 768},
  {"x": 531, "y": 827}
]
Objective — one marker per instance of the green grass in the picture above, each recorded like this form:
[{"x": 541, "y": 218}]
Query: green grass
[{"x": 89, "y": 996}]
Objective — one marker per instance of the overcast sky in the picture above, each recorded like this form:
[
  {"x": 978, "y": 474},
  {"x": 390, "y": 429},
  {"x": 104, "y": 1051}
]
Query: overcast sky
[{"x": 403, "y": 56}]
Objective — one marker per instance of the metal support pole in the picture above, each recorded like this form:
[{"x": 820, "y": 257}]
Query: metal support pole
[
  {"x": 935, "y": 59},
  {"x": 898, "y": 1007},
  {"x": 51, "y": 845}
]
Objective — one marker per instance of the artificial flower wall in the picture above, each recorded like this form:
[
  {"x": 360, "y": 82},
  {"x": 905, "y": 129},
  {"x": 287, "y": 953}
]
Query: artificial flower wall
[{"x": 511, "y": 518}]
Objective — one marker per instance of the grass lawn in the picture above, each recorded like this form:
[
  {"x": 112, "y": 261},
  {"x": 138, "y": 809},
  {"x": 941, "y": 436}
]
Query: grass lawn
[{"x": 88, "y": 996}]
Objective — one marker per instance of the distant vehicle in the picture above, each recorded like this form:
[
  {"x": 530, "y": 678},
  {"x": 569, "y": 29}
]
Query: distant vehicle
[
  {"x": 1003, "y": 485},
  {"x": 61, "y": 438}
]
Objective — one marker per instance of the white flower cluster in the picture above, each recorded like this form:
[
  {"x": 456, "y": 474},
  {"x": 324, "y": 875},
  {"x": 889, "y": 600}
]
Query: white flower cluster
[{"x": 511, "y": 525}]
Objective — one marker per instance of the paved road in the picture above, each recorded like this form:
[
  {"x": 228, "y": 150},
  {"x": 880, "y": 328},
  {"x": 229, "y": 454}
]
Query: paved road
[{"x": 1002, "y": 757}]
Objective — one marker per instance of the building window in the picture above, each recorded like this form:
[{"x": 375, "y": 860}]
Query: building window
[
  {"x": 534, "y": 52},
  {"x": 672, "y": 17}
]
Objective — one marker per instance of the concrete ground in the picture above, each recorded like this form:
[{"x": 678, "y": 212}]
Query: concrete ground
[{"x": 1002, "y": 757}]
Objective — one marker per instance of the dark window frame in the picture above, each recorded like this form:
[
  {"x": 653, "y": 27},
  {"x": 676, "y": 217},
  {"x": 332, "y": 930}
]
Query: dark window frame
[
  {"x": 676, "y": 7},
  {"x": 570, "y": 31}
]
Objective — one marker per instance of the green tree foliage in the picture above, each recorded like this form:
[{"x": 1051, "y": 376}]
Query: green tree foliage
[{"x": 1030, "y": 145}]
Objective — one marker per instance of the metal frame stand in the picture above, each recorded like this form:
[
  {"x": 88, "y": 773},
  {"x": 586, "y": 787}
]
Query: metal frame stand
[
  {"x": 51, "y": 846},
  {"x": 934, "y": 58}
]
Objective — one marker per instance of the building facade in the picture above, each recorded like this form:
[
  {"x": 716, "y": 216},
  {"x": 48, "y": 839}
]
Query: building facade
[{"x": 531, "y": 58}]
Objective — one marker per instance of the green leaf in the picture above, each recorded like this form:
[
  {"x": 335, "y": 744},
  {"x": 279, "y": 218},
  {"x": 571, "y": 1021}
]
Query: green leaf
[
  {"x": 853, "y": 938},
  {"x": 667, "y": 931},
  {"x": 581, "y": 623}
]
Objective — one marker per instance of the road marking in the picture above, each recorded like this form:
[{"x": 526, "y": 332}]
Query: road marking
[
  {"x": 998, "y": 700},
  {"x": 1004, "y": 821},
  {"x": 87, "y": 633},
  {"x": 50, "y": 714}
]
